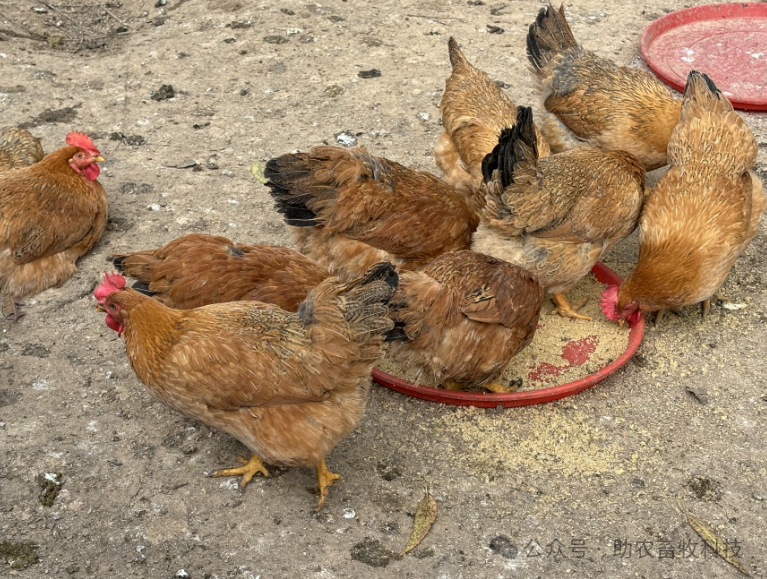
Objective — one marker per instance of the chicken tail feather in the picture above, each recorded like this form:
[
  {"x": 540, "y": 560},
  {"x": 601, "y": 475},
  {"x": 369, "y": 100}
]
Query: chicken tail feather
[
  {"x": 549, "y": 36},
  {"x": 517, "y": 147},
  {"x": 709, "y": 128},
  {"x": 290, "y": 181},
  {"x": 702, "y": 90},
  {"x": 357, "y": 310},
  {"x": 143, "y": 288},
  {"x": 132, "y": 264},
  {"x": 457, "y": 59}
]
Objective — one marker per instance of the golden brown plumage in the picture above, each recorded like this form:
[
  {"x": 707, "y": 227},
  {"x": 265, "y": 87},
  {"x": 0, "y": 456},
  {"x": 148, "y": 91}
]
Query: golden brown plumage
[
  {"x": 287, "y": 385},
  {"x": 350, "y": 209},
  {"x": 18, "y": 148},
  {"x": 463, "y": 318},
  {"x": 198, "y": 269},
  {"x": 703, "y": 212},
  {"x": 474, "y": 112},
  {"x": 51, "y": 213},
  {"x": 556, "y": 216},
  {"x": 596, "y": 102}
]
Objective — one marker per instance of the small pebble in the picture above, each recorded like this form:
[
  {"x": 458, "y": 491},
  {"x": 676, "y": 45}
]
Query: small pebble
[
  {"x": 165, "y": 92},
  {"x": 160, "y": 3},
  {"x": 504, "y": 547},
  {"x": 227, "y": 173},
  {"x": 372, "y": 73},
  {"x": 153, "y": 207},
  {"x": 349, "y": 513},
  {"x": 121, "y": 29},
  {"x": 757, "y": 497},
  {"x": 181, "y": 574},
  {"x": 346, "y": 139},
  {"x": 495, "y": 29},
  {"x": 424, "y": 116},
  {"x": 40, "y": 9}
]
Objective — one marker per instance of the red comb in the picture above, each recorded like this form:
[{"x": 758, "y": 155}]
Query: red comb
[
  {"x": 609, "y": 301},
  {"x": 82, "y": 141},
  {"x": 113, "y": 282}
]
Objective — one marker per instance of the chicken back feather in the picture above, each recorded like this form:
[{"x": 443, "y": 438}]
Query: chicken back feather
[{"x": 198, "y": 269}]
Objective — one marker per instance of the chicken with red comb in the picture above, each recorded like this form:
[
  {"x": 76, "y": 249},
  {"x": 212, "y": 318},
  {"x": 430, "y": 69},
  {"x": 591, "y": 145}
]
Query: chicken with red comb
[
  {"x": 703, "y": 212},
  {"x": 113, "y": 283},
  {"x": 52, "y": 212},
  {"x": 287, "y": 385}
]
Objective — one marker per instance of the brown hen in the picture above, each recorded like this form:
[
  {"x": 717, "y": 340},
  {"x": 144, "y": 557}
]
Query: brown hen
[
  {"x": 701, "y": 215},
  {"x": 596, "y": 102},
  {"x": 198, "y": 269},
  {"x": 52, "y": 212},
  {"x": 287, "y": 385},
  {"x": 349, "y": 209},
  {"x": 556, "y": 216},
  {"x": 474, "y": 112},
  {"x": 462, "y": 318}
]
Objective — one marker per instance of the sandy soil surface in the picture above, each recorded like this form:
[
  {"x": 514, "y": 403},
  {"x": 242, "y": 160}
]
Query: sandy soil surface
[{"x": 530, "y": 492}]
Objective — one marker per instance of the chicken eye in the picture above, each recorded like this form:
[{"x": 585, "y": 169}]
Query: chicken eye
[
  {"x": 112, "y": 308},
  {"x": 79, "y": 155}
]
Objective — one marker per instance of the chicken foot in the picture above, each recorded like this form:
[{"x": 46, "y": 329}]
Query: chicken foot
[
  {"x": 247, "y": 471},
  {"x": 706, "y": 304},
  {"x": 565, "y": 310},
  {"x": 10, "y": 308},
  {"x": 495, "y": 387},
  {"x": 325, "y": 479}
]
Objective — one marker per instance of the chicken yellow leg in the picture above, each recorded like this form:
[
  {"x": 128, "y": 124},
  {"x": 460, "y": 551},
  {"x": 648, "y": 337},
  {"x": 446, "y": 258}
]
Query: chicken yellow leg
[
  {"x": 707, "y": 303},
  {"x": 565, "y": 310},
  {"x": 325, "y": 478},
  {"x": 247, "y": 471}
]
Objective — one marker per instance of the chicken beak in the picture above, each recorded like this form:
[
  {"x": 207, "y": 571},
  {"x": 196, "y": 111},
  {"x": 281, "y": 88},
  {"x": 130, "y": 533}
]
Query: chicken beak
[
  {"x": 99, "y": 308},
  {"x": 622, "y": 322},
  {"x": 99, "y": 159}
]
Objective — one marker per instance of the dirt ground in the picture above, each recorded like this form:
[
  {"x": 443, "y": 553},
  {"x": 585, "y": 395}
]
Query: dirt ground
[{"x": 541, "y": 491}]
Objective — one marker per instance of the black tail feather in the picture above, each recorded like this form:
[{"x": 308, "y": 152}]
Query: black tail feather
[
  {"x": 142, "y": 288},
  {"x": 117, "y": 260},
  {"x": 291, "y": 204},
  {"x": 502, "y": 158},
  {"x": 548, "y": 36},
  {"x": 533, "y": 50}
]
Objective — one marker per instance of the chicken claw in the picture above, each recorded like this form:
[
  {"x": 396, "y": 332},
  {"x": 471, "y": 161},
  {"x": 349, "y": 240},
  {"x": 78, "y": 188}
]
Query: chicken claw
[
  {"x": 248, "y": 471},
  {"x": 325, "y": 478},
  {"x": 565, "y": 310},
  {"x": 499, "y": 388},
  {"x": 453, "y": 385},
  {"x": 10, "y": 309},
  {"x": 495, "y": 387}
]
